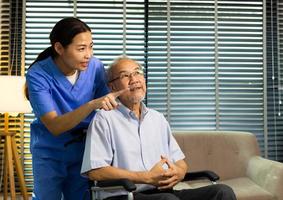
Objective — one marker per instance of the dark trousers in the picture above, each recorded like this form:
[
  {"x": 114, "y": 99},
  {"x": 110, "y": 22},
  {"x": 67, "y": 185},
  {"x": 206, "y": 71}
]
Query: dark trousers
[{"x": 211, "y": 192}]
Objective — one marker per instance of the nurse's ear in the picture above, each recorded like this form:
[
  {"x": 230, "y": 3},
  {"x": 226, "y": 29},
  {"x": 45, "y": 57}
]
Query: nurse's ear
[{"x": 58, "y": 48}]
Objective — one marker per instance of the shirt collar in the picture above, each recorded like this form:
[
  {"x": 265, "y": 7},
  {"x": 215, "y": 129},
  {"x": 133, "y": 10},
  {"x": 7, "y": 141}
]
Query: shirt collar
[
  {"x": 128, "y": 113},
  {"x": 60, "y": 77}
]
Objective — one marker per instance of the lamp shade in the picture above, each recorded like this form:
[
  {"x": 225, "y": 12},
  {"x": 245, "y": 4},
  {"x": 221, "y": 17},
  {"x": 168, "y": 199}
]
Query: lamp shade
[{"x": 12, "y": 95}]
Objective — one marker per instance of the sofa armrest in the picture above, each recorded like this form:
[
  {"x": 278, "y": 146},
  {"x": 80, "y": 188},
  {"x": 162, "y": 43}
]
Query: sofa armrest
[{"x": 268, "y": 174}]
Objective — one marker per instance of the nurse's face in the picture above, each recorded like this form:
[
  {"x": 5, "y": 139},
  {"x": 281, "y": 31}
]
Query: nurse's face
[{"x": 76, "y": 55}]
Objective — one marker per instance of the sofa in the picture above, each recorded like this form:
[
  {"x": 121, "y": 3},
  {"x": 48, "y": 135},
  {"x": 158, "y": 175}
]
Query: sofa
[{"x": 235, "y": 157}]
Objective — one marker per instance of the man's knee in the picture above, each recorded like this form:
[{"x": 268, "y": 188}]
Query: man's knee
[
  {"x": 155, "y": 196},
  {"x": 225, "y": 192},
  {"x": 168, "y": 196}
]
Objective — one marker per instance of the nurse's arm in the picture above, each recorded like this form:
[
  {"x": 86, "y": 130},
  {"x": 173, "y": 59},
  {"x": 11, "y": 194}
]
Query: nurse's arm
[{"x": 58, "y": 124}]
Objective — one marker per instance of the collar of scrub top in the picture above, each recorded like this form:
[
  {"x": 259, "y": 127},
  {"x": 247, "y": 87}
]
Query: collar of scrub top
[{"x": 60, "y": 77}]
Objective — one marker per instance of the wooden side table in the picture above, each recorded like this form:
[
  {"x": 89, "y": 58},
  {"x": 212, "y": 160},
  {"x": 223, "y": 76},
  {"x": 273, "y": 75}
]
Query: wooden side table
[{"x": 11, "y": 159}]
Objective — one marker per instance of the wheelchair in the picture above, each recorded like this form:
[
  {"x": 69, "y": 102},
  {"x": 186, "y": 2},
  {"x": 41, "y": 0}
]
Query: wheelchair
[{"x": 124, "y": 184}]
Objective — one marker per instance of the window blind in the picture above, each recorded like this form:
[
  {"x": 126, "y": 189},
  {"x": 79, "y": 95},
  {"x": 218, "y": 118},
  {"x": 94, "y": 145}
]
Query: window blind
[
  {"x": 274, "y": 79},
  {"x": 117, "y": 26},
  {"x": 214, "y": 80},
  {"x": 41, "y": 16},
  {"x": 278, "y": 135},
  {"x": 4, "y": 37},
  {"x": 183, "y": 89},
  {"x": 240, "y": 66}
]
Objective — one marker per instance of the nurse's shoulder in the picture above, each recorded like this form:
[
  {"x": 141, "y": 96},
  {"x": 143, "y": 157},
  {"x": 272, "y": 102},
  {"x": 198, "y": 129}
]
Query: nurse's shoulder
[
  {"x": 95, "y": 64},
  {"x": 40, "y": 71}
]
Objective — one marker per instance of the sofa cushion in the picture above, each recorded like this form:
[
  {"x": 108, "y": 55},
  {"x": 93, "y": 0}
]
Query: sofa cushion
[
  {"x": 226, "y": 153},
  {"x": 244, "y": 188}
]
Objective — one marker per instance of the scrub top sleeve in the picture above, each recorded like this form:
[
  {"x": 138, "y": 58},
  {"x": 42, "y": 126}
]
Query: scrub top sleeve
[
  {"x": 39, "y": 94},
  {"x": 98, "y": 148}
]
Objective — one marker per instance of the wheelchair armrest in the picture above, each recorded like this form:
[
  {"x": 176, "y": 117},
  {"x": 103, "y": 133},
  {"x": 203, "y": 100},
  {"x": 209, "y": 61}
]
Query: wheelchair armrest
[
  {"x": 206, "y": 174},
  {"x": 125, "y": 183}
]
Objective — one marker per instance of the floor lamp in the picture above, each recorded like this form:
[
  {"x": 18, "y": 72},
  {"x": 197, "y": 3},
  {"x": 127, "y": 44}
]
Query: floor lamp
[{"x": 12, "y": 101}]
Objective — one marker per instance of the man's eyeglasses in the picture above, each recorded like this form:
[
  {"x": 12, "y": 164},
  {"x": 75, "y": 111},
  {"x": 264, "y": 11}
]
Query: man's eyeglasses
[{"x": 128, "y": 75}]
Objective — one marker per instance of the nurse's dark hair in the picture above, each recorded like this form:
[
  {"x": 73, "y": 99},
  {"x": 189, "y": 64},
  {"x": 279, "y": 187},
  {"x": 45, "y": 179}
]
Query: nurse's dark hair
[{"x": 63, "y": 32}]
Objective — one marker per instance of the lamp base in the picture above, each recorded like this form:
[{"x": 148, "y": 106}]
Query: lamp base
[{"x": 11, "y": 159}]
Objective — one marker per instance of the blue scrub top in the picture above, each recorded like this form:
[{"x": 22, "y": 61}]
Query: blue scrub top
[{"x": 50, "y": 90}]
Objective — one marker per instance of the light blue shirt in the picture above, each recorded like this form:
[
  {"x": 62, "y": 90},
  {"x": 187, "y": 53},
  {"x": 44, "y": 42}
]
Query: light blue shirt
[{"x": 117, "y": 138}]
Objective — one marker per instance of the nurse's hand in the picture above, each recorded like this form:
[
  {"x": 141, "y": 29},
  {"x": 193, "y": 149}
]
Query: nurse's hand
[
  {"x": 58, "y": 124},
  {"x": 108, "y": 102}
]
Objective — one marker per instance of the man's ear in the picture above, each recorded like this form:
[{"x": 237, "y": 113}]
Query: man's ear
[
  {"x": 58, "y": 48},
  {"x": 112, "y": 87}
]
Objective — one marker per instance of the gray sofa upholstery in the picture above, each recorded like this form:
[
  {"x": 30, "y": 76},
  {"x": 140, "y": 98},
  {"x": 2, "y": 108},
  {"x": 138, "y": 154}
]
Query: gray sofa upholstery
[{"x": 235, "y": 157}]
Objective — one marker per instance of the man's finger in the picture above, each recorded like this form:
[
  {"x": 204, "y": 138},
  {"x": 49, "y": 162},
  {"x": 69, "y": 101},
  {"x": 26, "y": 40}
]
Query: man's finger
[
  {"x": 118, "y": 93},
  {"x": 163, "y": 157},
  {"x": 170, "y": 164}
]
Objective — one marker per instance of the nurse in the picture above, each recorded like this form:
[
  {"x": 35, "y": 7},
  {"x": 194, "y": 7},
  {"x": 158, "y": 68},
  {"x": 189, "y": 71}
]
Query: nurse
[{"x": 65, "y": 85}]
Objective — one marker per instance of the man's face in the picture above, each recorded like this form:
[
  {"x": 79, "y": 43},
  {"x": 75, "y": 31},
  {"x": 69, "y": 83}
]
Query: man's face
[{"x": 130, "y": 76}]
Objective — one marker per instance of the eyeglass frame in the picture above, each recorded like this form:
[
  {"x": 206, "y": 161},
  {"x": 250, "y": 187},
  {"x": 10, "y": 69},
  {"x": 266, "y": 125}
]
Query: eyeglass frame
[{"x": 138, "y": 71}]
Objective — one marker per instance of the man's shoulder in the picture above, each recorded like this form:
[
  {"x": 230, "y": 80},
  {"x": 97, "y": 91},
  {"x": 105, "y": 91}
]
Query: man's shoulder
[
  {"x": 154, "y": 112},
  {"x": 105, "y": 114}
]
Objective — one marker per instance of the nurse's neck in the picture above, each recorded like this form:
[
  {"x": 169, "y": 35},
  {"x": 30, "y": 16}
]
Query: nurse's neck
[{"x": 65, "y": 69}]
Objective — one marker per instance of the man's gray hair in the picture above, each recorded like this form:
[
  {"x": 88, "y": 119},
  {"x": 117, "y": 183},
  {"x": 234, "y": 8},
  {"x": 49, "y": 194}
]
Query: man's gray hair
[{"x": 116, "y": 62}]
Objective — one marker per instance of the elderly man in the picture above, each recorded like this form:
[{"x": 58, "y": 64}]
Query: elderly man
[{"x": 135, "y": 142}]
